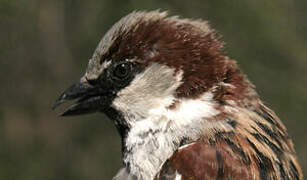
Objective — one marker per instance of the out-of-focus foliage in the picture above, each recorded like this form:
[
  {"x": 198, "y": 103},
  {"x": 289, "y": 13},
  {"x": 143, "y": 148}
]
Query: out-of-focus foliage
[{"x": 45, "y": 46}]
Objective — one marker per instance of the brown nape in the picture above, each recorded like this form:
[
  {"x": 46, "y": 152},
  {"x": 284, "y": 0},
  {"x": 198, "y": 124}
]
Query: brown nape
[
  {"x": 186, "y": 47},
  {"x": 235, "y": 87}
]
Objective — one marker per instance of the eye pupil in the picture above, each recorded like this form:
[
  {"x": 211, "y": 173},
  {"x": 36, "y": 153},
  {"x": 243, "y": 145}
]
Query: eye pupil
[{"x": 122, "y": 70}]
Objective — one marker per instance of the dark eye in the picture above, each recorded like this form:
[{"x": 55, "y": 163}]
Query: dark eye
[{"x": 122, "y": 70}]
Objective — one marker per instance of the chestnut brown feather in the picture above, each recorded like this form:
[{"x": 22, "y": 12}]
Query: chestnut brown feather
[{"x": 181, "y": 60}]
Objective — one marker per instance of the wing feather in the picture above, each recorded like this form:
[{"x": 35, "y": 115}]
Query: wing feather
[{"x": 202, "y": 160}]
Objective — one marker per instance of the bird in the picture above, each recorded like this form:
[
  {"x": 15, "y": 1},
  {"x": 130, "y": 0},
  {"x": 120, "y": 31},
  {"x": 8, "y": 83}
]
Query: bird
[{"x": 184, "y": 109}]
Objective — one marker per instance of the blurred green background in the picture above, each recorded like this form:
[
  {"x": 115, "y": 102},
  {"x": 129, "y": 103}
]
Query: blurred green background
[{"x": 45, "y": 46}]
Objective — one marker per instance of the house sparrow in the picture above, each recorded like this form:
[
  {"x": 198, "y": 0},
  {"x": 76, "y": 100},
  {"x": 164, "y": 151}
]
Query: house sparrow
[{"x": 184, "y": 110}]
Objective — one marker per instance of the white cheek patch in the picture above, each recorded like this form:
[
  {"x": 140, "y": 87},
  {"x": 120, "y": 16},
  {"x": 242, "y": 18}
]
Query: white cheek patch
[{"x": 152, "y": 89}]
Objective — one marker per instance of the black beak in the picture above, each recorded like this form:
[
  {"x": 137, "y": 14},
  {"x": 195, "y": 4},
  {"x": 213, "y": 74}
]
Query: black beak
[{"x": 89, "y": 99}]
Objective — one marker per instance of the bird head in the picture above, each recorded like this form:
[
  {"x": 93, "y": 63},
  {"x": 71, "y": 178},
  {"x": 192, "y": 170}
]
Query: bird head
[{"x": 149, "y": 63}]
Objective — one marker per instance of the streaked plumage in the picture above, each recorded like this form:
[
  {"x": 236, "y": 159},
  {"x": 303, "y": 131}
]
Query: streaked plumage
[{"x": 184, "y": 110}]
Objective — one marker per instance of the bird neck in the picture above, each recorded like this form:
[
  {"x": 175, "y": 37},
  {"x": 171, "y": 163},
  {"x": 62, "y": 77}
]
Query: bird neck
[
  {"x": 147, "y": 146},
  {"x": 151, "y": 141}
]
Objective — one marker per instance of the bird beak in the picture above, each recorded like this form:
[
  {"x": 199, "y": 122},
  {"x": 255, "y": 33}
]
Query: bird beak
[{"x": 89, "y": 99}]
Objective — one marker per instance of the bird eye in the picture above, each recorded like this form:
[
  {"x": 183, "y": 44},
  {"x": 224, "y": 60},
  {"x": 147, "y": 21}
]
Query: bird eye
[{"x": 122, "y": 70}]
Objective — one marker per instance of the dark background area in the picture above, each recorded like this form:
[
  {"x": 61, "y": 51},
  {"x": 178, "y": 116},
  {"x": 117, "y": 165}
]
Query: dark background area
[{"x": 45, "y": 47}]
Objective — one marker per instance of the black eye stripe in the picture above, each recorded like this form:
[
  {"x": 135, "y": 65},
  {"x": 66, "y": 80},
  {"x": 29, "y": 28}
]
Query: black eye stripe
[{"x": 117, "y": 76}]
